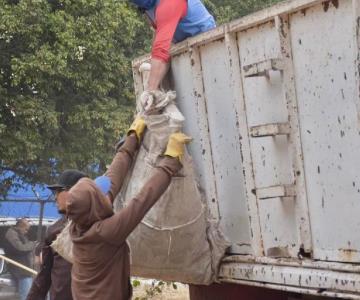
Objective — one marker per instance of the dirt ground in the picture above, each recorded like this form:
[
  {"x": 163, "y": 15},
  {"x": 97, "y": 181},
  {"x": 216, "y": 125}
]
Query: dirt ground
[{"x": 168, "y": 292}]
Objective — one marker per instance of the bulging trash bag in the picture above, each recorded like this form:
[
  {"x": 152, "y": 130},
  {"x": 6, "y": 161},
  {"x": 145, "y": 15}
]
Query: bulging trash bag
[
  {"x": 63, "y": 244},
  {"x": 175, "y": 241}
]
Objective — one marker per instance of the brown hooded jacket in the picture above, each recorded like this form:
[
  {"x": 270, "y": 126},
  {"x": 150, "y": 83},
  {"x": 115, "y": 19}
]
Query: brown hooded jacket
[{"x": 101, "y": 268}]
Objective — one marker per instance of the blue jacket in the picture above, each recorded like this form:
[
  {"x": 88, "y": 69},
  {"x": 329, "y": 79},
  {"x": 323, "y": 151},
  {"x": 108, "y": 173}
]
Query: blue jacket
[{"x": 197, "y": 19}]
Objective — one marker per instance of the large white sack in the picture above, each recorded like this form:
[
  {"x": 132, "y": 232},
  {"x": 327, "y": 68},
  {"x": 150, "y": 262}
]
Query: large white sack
[{"x": 175, "y": 241}]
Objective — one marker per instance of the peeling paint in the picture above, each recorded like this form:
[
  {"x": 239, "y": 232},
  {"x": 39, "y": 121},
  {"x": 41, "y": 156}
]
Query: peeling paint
[
  {"x": 322, "y": 132},
  {"x": 326, "y": 4}
]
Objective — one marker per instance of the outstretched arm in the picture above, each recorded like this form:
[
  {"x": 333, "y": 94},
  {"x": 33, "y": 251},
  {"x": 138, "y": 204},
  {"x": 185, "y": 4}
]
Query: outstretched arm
[
  {"x": 120, "y": 165},
  {"x": 116, "y": 229}
]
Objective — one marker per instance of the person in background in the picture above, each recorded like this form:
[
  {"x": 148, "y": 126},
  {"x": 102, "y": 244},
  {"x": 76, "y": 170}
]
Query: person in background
[
  {"x": 173, "y": 21},
  {"x": 20, "y": 249},
  {"x": 55, "y": 271}
]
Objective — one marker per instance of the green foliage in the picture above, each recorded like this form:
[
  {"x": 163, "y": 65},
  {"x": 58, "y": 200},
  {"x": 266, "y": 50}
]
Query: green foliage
[
  {"x": 66, "y": 91},
  {"x": 136, "y": 283},
  {"x": 65, "y": 82},
  {"x": 156, "y": 288}
]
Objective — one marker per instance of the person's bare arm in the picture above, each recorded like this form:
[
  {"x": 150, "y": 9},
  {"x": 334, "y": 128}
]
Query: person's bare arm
[{"x": 158, "y": 71}]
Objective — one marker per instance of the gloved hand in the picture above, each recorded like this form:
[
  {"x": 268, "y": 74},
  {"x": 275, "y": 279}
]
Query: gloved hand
[
  {"x": 176, "y": 145},
  {"x": 138, "y": 127}
]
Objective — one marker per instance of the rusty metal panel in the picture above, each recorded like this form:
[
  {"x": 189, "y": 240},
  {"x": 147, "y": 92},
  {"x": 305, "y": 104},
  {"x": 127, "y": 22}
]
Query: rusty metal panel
[
  {"x": 236, "y": 86},
  {"x": 331, "y": 279},
  {"x": 296, "y": 64},
  {"x": 262, "y": 68},
  {"x": 225, "y": 144},
  {"x": 356, "y": 31},
  {"x": 187, "y": 78},
  {"x": 138, "y": 82},
  {"x": 316, "y": 281},
  {"x": 282, "y": 191},
  {"x": 265, "y": 104},
  {"x": 295, "y": 148},
  {"x": 270, "y": 130},
  {"x": 324, "y": 55},
  {"x": 309, "y": 278}
]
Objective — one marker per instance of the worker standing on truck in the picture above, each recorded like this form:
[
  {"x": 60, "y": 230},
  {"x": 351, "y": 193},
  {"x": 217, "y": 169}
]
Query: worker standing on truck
[
  {"x": 173, "y": 21},
  {"x": 101, "y": 263}
]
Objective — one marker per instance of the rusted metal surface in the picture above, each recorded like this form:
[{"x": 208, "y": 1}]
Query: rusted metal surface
[
  {"x": 292, "y": 289},
  {"x": 282, "y": 24},
  {"x": 271, "y": 159},
  {"x": 277, "y": 191},
  {"x": 309, "y": 278},
  {"x": 262, "y": 68},
  {"x": 138, "y": 82},
  {"x": 325, "y": 82},
  {"x": 187, "y": 76},
  {"x": 270, "y": 130},
  {"x": 222, "y": 116},
  {"x": 236, "y": 86},
  {"x": 272, "y": 101},
  {"x": 356, "y": 13},
  {"x": 292, "y": 262}
]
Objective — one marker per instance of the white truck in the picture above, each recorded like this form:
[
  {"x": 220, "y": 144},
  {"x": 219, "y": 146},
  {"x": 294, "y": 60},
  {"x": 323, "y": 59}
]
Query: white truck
[{"x": 273, "y": 103}]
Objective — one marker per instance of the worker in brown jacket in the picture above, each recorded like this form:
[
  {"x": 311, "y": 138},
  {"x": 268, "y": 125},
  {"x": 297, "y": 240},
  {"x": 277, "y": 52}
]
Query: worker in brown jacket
[{"x": 101, "y": 262}]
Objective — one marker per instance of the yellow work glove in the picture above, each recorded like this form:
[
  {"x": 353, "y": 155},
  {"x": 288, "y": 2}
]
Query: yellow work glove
[
  {"x": 176, "y": 145},
  {"x": 138, "y": 126}
]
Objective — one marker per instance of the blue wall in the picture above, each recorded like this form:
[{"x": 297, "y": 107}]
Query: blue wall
[{"x": 26, "y": 209}]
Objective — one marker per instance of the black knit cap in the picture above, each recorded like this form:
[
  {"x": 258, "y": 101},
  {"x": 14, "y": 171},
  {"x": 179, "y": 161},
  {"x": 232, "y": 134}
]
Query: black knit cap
[{"x": 67, "y": 179}]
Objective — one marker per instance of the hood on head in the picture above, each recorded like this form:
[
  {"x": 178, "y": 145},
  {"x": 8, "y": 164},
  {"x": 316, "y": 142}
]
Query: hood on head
[{"x": 87, "y": 204}]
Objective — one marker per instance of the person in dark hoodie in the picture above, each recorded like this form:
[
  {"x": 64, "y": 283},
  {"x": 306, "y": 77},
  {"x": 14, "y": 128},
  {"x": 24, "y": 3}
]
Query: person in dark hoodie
[
  {"x": 55, "y": 271},
  {"x": 101, "y": 261}
]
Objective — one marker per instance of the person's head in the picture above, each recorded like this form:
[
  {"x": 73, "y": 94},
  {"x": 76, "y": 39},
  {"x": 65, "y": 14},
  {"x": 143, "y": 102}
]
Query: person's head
[
  {"x": 22, "y": 225},
  {"x": 61, "y": 189}
]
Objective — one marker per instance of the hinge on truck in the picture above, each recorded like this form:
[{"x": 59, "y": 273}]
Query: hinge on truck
[
  {"x": 277, "y": 191},
  {"x": 270, "y": 130},
  {"x": 262, "y": 68}
]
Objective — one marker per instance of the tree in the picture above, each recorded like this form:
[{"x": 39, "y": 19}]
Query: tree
[
  {"x": 66, "y": 90},
  {"x": 65, "y": 83}
]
